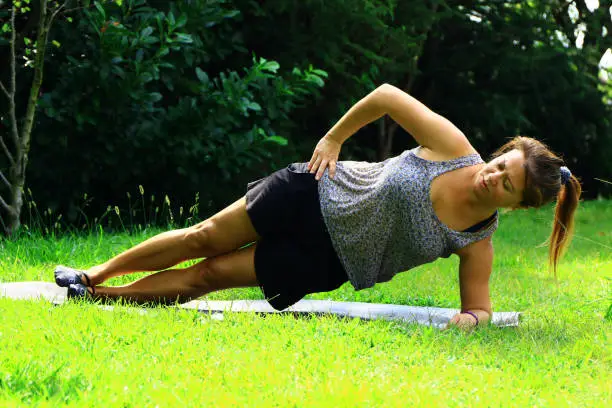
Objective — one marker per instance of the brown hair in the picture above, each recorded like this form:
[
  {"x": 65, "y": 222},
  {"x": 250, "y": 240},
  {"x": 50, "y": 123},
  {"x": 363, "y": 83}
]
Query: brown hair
[{"x": 542, "y": 185}]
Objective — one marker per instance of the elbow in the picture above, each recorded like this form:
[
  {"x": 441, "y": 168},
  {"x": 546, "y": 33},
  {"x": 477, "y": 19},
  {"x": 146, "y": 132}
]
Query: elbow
[
  {"x": 386, "y": 89},
  {"x": 381, "y": 97}
]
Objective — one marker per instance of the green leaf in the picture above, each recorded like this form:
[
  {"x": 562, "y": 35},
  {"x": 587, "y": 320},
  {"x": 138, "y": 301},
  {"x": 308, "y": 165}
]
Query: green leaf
[
  {"x": 56, "y": 43},
  {"x": 150, "y": 40},
  {"x": 320, "y": 73},
  {"x": 189, "y": 59},
  {"x": 155, "y": 97},
  {"x": 231, "y": 14},
  {"x": 167, "y": 80},
  {"x": 146, "y": 77},
  {"x": 6, "y": 28},
  {"x": 253, "y": 106},
  {"x": 271, "y": 66},
  {"x": 316, "y": 80},
  {"x": 279, "y": 140},
  {"x": 147, "y": 31},
  {"x": 184, "y": 38},
  {"x": 202, "y": 76},
  {"x": 100, "y": 9},
  {"x": 182, "y": 20},
  {"x": 171, "y": 20},
  {"x": 163, "y": 51}
]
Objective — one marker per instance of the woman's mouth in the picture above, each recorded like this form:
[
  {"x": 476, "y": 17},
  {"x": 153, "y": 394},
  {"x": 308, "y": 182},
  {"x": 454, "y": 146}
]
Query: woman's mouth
[{"x": 484, "y": 184}]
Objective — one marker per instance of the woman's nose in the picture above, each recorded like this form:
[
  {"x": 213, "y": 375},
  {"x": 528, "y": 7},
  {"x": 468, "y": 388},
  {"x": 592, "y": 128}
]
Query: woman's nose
[{"x": 494, "y": 177}]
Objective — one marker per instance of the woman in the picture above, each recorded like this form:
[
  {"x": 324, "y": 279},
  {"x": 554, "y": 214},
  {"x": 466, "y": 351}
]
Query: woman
[{"x": 313, "y": 226}]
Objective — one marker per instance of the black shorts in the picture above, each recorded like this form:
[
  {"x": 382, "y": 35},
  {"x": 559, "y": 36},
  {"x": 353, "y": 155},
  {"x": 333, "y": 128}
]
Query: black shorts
[{"x": 295, "y": 255}]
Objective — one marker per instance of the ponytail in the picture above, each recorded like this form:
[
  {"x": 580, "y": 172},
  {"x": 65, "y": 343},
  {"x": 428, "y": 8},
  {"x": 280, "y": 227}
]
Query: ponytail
[
  {"x": 546, "y": 177},
  {"x": 563, "y": 224}
]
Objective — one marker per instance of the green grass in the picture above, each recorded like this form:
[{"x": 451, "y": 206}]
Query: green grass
[{"x": 82, "y": 355}]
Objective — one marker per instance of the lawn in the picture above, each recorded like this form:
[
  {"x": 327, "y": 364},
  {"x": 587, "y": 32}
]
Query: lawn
[{"x": 80, "y": 354}]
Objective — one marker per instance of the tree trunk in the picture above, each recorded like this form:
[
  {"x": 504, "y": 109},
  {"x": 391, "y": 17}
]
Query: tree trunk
[
  {"x": 17, "y": 180},
  {"x": 17, "y": 173}
]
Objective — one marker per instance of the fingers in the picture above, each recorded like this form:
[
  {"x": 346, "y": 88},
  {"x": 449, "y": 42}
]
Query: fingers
[
  {"x": 321, "y": 169},
  {"x": 460, "y": 322},
  {"x": 318, "y": 164},
  {"x": 318, "y": 169},
  {"x": 313, "y": 160},
  {"x": 324, "y": 157},
  {"x": 315, "y": 164},
  {"x": 332, "y": 169}
]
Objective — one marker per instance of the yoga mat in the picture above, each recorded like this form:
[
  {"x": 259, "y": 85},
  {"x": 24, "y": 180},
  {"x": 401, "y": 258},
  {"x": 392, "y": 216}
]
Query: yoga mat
[{"x": 430, "y": 316}]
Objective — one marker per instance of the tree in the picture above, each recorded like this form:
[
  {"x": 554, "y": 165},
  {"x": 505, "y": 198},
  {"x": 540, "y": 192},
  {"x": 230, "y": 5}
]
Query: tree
[
  {"x": 20, "y": 134},
  {"x": 160, "y": 95}
]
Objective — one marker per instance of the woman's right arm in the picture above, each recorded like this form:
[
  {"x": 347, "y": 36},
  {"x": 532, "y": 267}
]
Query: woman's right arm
[{"x": 429, "y": 129}]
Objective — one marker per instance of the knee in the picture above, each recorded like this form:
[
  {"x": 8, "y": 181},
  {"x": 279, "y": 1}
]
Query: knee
[
  {"x": 206, "y": 277},
  {"x": 199, "y": 237}
]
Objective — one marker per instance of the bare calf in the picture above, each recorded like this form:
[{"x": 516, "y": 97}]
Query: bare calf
[
  {"x": 226, "y": 231},
  {"x": 232, "y": 270}
]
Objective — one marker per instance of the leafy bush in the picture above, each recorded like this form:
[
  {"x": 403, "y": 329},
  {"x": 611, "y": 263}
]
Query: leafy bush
[
  {"x": 146, "y": 96},
  {"x": 185, "y": 96}
]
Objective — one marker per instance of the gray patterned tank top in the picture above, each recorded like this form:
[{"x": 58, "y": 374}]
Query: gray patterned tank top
[{"x": 381, "y": 219}]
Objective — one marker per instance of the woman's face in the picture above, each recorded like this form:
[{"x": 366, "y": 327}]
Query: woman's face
[{"x": 501, "y": 181}]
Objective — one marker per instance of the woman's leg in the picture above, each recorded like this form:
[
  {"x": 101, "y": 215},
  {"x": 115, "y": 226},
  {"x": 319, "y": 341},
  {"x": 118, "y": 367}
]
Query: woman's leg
[
  {"x": 232, "y": 270},
  {"x": 224, "y": 232}
]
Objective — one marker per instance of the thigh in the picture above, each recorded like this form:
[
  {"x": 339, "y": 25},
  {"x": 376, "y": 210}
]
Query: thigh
[
  {"x": 226, "y": 231},
  {"x": 232, "y": 270}
]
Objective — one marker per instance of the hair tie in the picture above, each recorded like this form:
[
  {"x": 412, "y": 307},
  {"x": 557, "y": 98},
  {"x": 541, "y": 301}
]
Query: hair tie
[{"x": 565, "y": 175}]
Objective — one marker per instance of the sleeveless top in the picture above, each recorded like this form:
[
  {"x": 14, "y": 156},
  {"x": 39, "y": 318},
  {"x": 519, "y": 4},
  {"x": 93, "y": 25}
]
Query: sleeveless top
[{"x": 381, "y": 220}]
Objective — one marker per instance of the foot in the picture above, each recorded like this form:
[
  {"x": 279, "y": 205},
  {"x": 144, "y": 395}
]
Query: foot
[
  {"x": 65, "y": 276},
  {"x": 78, "y": 290}
]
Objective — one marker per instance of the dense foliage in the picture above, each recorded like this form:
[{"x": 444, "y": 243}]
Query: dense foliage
[
  {"x": 152, "y": 97},
  {"x": 496, "y": 69},
  {"x": 187, "y": 97}
]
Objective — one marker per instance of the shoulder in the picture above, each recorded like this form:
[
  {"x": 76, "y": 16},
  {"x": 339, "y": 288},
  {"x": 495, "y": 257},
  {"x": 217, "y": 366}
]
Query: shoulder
[{"x": 479, "y": 249}]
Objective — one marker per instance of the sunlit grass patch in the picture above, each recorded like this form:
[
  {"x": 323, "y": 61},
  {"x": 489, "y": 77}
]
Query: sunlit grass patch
[{"x": 81, "y": 354}]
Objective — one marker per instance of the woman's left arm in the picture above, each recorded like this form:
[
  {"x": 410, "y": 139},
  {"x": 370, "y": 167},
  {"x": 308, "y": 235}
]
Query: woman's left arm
[{"x": 476, "y": 263}]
